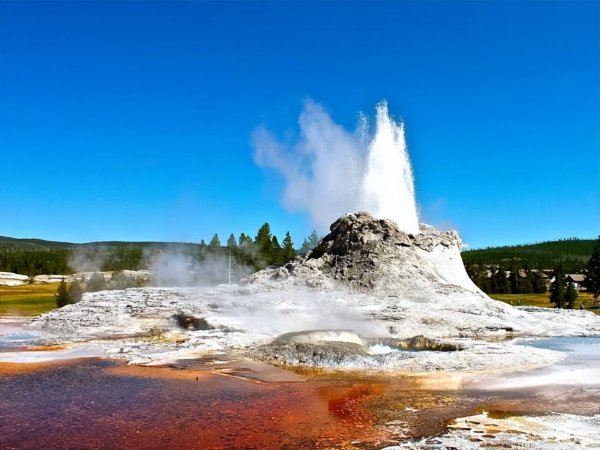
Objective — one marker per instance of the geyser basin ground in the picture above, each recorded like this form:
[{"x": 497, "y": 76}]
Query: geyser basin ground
[
  {"x": 139, "y": 325},
  {"x": 366, "y": 282},
  {"x": 228, "y": 403},
  {"x": 366, "y": 276}
]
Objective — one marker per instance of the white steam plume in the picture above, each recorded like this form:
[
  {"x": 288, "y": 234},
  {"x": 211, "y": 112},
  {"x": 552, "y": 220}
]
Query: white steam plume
[
  {"x": 330, "y": 171},
  {"x": 175, "y": 268},
  {"x": 88, "y": 258},
  {"x": 322, "y": 170}
]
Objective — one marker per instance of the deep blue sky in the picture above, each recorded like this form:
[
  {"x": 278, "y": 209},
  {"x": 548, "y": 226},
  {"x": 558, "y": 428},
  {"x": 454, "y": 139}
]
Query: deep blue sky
[{"x": 132, "y": 120}]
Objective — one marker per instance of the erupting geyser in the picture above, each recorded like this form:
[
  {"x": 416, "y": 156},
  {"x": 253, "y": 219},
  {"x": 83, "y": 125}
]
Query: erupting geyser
[
  {"x": 330, "y": 171},
  {"x": 387, "y": 190}
]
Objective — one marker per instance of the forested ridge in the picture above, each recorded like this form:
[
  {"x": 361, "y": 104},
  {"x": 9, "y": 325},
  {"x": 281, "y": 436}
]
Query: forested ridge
[
  {"x": 36, "y": 256},
  {"x": 571, "y": 253}
]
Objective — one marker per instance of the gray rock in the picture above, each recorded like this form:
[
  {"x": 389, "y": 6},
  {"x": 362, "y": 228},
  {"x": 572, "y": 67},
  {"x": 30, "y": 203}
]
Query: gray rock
[{"x": 373, "y": 255}]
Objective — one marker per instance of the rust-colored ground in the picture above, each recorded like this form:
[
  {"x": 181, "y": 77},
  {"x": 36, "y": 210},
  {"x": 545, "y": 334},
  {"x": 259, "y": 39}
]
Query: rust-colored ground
[{"x": 99, "y": 404}]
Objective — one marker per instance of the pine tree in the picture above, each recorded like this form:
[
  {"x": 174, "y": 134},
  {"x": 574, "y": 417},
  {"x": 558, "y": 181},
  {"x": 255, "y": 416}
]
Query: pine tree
[
  {"x": 231, "y": 243},
  {"x": 526, "y": 284},
  {"x": 513, "y": 280},
  {"x": 484, "y": 281},
  {"x": 310, "y": 243},
  {"x": 264, "y": 243},
  {"x": 75, "y": 291},
  {"x": 96, "y": 283},
  {"x": 570, "y": 296},
  {"x": 215, "y": 242},
  {"x": 62, "y": 295},
  {"x": 537, "y": 283},
  {"x": 305, "y": 247},
  {"x": 499, "y": 282},
  {"x": 313, "y": 239},
  {"x": 275, "y": 242},
  {"x": 288, "y": 248},
  {"x": 276, "y": 254},
  {"x": 263, "y": 236},
  {"x": 592, "y": 272},
  {"x": 202, "y": 249},
  {"x": 557, "y": 288},
  {"x": 245, "y": 240}
]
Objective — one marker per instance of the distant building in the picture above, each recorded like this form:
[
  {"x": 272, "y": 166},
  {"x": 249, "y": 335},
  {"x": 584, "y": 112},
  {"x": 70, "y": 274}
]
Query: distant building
[
  {"x": 577, "y": 279},
  {"x": 548, "y": 272},
  {"x": 545, "y": 275}
]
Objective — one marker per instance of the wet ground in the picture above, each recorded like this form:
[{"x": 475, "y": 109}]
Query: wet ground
[{"x": 231, "y": 403}]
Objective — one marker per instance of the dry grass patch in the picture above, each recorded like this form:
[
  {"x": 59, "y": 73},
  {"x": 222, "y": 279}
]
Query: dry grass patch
[
  {"x": 27, "y": 300},
  {"x": 543, "y": 300}
]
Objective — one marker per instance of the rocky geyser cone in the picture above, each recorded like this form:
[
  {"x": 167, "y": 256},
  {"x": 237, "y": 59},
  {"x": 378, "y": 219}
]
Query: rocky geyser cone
[{"x": 368, "y": 254}]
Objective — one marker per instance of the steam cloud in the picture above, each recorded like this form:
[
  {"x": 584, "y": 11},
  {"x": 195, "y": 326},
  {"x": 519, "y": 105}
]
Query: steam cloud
[
  {"x": 330, "y": 171},
  {"x": 173, "y": 268},
  {"x": 322, "y": 170},
  {"x": 169, "y": 267},
  {"x": 88, "y": 259}
]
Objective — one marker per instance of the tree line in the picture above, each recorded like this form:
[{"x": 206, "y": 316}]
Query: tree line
[
  {"x": 35, "y": 262},
  {"x": 506, "y": 279},
  {"x": 511, "y": 279},
  {"x": 571, "y": 253},
  {"x": 32, "y": 262},
  {"x": 256, "y": 252},
  {"x": 259, "y": 252}
]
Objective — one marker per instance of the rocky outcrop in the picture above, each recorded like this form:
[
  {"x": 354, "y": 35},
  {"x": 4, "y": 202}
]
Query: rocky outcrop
[{"x": 365, "y": 254}]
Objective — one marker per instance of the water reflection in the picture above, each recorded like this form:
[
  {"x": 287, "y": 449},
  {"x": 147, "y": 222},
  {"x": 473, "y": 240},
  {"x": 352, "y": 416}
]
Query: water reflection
[{"x": 227, "y": 402}]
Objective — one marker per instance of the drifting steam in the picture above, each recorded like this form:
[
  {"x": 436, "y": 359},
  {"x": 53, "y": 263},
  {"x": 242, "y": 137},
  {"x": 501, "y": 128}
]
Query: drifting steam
[
  {"x": 330, "y": 171},
  {"x": 173, "y": 268},
  {"x": 168, "y": 266},
  {"x": 88, "y": 259}
]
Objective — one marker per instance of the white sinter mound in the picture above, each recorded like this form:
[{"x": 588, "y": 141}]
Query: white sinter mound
[{"x": 366, "y": 277}]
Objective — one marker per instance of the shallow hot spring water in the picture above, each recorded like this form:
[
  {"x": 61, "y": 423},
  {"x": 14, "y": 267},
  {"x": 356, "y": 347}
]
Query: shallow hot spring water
[{"x": 227, "y": 402}]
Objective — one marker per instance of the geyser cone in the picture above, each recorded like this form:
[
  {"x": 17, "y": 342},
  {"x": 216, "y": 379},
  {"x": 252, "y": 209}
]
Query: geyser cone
[{"x": 373, "y": 255}]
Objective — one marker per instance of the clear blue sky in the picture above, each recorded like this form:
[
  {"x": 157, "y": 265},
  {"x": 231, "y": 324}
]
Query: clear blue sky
[{"x": 132, "y": 120}]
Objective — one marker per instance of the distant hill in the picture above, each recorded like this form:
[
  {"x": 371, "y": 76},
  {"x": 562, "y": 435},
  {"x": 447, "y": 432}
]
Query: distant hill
[
  {"x": 32, "y": 244},
  {"x": 572, "y": 253},
  {"x": 43, "y": 245},
  {"x": 37, "y": 256}
]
